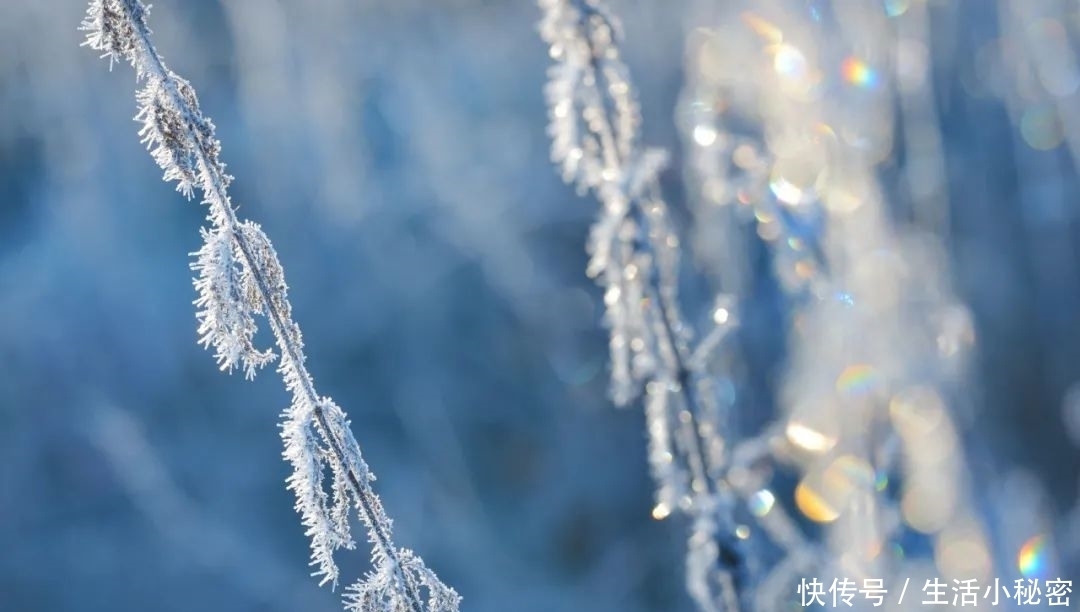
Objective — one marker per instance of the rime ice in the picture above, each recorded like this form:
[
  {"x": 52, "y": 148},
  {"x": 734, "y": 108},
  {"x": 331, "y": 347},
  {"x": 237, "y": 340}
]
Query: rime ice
[
  {"x": 594, "y": 126},
  {"x": 239, "y": 277}
]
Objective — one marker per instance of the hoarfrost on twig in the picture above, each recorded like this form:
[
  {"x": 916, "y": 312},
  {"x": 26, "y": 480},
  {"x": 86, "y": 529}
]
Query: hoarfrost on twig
[
  {"x": 594, "y": 124},
  {"x": 239, "y": 276}
]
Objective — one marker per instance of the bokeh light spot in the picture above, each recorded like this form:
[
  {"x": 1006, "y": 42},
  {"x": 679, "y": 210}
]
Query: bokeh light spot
[
  {"x": 1032, "y": 558},
  {"x": 808, "y": 438},
  {"x": 705, "y": 135},
  {"x": 789, "y": 62},
  {"x": 859, "y": 73},
  {"x": 761, "y": 502},
  {"x": 813, "y": 505},
  {"x": 661, "y": 511},
  {"x": 1041, "y": 127},
  {"x": 895, "y": 8},
  {"x": 858, "y": 379}
]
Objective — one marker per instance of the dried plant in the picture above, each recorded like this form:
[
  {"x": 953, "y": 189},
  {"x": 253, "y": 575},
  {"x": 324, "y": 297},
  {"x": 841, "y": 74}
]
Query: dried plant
[{"x": 240, "y": 277}]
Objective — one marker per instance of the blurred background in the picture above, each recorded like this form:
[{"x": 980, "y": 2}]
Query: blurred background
[{"x": 395, "y": 153}]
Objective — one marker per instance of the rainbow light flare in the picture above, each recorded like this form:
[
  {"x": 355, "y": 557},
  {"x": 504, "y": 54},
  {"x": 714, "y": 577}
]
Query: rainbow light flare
[
  {"x": 1033, "y": 557},
  {"x": 859, "y": 73},
  {"x": 881, "y": 481},
  {"x": 858, "y": 379}
]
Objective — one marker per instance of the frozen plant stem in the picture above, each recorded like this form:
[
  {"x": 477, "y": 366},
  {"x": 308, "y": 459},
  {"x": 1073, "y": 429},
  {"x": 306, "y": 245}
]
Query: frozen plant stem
[
  {"x": 633, "y": 208},
  {"x": 683, "y": 379},
  {"x": 240, "y": 276},
  {"x": 594, "y": 126}
]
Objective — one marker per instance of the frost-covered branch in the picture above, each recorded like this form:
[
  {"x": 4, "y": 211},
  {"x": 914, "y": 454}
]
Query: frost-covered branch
[
  {"x": 594, "y": 126},
  {"x": 239, "y": 277}
]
